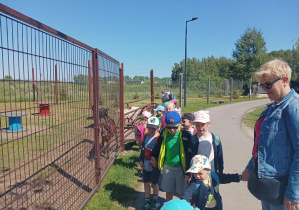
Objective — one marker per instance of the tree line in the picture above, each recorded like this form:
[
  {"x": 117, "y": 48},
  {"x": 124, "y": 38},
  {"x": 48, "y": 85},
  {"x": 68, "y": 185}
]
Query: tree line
[{"x": 249, "y": 54}]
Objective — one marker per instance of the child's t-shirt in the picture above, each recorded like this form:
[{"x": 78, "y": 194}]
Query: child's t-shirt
[
  {"x": 149, "y": 144},
  {"x": 205, "y": 147},
  {"x": 172, "y": 150}
]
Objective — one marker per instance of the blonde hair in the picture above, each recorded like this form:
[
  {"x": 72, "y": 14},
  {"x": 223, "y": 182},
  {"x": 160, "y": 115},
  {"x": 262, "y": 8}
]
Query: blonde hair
[
  {"x": 170, "y": 103},
  {"x": 274, "y": 68}
]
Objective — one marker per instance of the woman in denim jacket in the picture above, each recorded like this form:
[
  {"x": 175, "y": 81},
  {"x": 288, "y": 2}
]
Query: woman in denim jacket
[{"x": 275, "y": 152}]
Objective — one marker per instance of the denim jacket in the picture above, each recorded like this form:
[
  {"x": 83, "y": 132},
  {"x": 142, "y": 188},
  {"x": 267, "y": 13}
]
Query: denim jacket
[{"x": 278, "y": 146}]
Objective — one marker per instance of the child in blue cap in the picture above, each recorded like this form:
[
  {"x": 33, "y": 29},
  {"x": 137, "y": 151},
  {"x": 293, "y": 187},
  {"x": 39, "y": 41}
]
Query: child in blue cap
[
  {"x": 177, "y": 204},
  {"x": 160, "y": 111},
  {"x": 172, "y": 153}
]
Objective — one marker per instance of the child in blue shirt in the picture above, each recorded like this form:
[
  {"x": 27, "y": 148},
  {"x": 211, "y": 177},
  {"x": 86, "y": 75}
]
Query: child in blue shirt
[{"x": 150, "y": 173}]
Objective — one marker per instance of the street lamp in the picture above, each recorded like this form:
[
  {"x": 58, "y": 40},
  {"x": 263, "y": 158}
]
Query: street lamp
[{"x": 185, "y": 86}]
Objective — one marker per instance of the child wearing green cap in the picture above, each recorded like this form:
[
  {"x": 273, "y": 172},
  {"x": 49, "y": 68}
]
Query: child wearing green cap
[
  {"x": 150, "y": 174},
  {"x": 172, "y": 153}
]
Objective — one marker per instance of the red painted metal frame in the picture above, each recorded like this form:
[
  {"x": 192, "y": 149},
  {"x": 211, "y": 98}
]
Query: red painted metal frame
[
  {"x": 95, "y": 67},
  {"x": 152, "y": 89},
  {"x": 121, "y": 96}
]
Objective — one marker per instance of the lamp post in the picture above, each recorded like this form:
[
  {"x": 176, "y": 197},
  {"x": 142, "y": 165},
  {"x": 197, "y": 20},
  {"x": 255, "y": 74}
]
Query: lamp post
[{"x": 185, "y": 86}]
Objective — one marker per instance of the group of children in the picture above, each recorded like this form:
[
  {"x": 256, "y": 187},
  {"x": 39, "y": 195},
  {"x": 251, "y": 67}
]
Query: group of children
[{"x": 189, "y": 160}]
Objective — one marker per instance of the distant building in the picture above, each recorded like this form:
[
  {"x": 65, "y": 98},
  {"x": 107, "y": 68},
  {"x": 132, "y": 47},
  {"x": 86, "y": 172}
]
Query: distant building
[{"x": 132, "y": 82}]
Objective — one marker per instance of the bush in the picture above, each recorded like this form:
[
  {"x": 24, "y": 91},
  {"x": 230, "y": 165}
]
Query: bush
[
  {"x": 157, "y": 96},
  {"x": 136, "y": 95},
  {"x": 236, "y": 93},
  {"x": 219, "y": 94},
  {"x": 200, "y": 95},
  {"x": 63, "y": 92}
]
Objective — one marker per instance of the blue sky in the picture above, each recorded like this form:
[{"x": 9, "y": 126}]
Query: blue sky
[{"x": 148, "y": 35}]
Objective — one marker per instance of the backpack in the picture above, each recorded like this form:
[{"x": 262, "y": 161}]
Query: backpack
[
  {"x": 168, "y": 96},
  {"x": 139, "y": 133}
]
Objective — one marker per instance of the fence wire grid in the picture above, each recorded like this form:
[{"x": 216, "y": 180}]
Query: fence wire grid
[{"x": 59, "y": 123}]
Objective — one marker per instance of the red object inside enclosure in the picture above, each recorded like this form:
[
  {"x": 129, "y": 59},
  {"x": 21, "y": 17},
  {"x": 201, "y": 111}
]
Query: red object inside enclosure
[{"x": 44, "y": 108}]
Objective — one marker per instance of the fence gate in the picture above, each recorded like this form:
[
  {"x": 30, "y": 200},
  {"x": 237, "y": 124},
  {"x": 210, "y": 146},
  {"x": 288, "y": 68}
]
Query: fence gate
[{"x": 59, "y": 116}]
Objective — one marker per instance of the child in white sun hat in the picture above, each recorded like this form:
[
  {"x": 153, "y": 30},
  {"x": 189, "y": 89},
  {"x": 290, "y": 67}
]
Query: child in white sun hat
[
  {"x": 203, "y": 191},
  {"x": 207, "y": 143}
]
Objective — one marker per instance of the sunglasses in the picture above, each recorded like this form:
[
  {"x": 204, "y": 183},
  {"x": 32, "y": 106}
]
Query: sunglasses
[
  {"x": 268, "y": 85},
  {"x": 172, "y": 127}
]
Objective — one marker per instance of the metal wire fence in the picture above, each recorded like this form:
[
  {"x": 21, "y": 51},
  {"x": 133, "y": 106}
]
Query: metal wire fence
[{"x": 60, "y": 121}]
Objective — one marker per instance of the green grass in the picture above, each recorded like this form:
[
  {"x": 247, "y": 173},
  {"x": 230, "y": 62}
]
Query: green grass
[
  {"x": 118, "y": 187},
  {"x": 251, "y": 117}
]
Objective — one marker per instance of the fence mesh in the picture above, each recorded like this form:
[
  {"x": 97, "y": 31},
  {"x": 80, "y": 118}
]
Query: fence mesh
[{"x": 47, "y": 138}]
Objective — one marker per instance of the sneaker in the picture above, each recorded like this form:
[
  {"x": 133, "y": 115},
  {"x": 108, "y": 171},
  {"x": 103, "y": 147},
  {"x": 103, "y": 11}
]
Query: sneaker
[
  {"x": 154, "y": 204},
  {"x": 146, "y": 205}
]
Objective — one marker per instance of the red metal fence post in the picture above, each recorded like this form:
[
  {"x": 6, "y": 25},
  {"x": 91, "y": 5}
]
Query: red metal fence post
[
  {"x": 56, "y": 86},
  {"x": 33, "y": 87},
  {"x": 152, "y": 89},
  {"x": 90, "y": 85},
  {"x": 95, "y": 67},
  {"x": 121, "y": 108}
]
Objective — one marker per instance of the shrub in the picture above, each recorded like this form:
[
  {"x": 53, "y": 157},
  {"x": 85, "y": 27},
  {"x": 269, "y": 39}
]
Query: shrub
[
  {"x": 219, "y": 94},
  {"x": 200, "y": 95},
  {"x": 63, "y": 92},
  {"x": 136, "y": 95},
  {"x": 157, "y": 96},
  {"x": 236, "y": 93}
]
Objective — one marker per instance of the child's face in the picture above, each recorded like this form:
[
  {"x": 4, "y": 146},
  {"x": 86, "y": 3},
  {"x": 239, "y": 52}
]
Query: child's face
[
  {"x": 152, "y": 131},
  {"x": 186, "y": 124},
  {"x": 172, "y": 129},
  {"x": 159, "y": 112},
  {"x": 202, "y": 128},
  {"x": 203, "y": 175},
  {"x": 169, "y": 108},
  {"x": 144, "y": 118}
]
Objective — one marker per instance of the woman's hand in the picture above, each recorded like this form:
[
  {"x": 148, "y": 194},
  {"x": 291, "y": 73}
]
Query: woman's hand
[
  {"x": 290, "y": 205},
  {"x": 245, "y": 174}
]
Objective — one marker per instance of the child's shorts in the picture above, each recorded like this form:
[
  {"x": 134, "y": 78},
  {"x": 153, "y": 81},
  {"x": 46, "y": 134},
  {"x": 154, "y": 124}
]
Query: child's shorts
[
  {"x": 173, "y": 179},
  {"x": 151, "y": 176}
]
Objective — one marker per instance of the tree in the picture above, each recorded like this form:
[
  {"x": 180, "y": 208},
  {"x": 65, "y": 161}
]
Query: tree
[
  {"x": 295, "y": 54},
  {"x": 81, "y": 79},
  {"x": 127, "y": 78},
  {"x": 250, "y": 53},
  {"x": 8, "y": 77}
]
